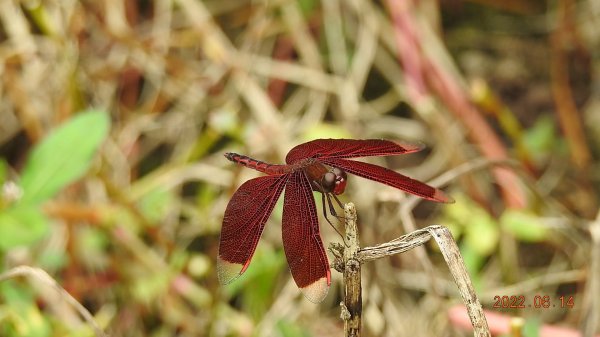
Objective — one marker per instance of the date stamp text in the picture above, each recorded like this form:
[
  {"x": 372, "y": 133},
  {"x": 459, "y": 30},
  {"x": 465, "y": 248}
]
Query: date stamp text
[{"x": 536, "y": 301}]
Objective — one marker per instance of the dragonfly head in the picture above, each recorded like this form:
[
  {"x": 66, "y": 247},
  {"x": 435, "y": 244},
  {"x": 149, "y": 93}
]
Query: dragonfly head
[{"x": 335, "y": 181}]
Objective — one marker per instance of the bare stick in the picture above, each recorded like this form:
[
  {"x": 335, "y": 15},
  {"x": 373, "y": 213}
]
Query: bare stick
[
  {"x": 352, "y": 305},
  {"x": 42, "y": 276},
  {"x": 349, "y": 257},
  {"x": 451, "y": 254},
  {"x": 449, "y": 249}
]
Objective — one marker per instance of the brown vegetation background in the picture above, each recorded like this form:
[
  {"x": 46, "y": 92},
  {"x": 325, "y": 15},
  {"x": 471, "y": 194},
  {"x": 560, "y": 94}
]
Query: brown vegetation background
[{"x": 504, "y": 94}]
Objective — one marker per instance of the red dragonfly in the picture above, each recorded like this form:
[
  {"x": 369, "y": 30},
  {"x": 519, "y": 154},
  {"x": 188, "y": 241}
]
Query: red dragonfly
[{"x": 318, "y": 165}]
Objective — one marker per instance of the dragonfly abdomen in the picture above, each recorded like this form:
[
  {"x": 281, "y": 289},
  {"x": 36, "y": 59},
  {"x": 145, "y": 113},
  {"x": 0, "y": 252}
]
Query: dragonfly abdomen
[{"x": 261, "y": 166}]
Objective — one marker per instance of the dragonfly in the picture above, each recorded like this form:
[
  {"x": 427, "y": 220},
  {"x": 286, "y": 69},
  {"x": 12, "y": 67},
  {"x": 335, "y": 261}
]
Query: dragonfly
[{"x": 319, "y": 165}]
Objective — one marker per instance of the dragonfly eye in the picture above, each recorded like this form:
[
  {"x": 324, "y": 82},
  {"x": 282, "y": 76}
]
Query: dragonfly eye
[
  {"x": 340, "y": 175},
  {"x": 340, "y": 181},
  {"x": 329, "y": 180}
]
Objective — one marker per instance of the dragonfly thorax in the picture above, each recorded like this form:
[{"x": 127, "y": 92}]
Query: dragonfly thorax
[{"x": 323, "y": 178}]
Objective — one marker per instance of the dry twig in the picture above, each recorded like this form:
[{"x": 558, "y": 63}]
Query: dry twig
[
  {"x": 352, "y": 286},
  {"x": 353, "y": 257}
]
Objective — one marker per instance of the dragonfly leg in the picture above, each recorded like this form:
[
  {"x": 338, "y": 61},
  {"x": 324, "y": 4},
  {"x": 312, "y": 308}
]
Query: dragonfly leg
[
  {"x": 331, "y": 208},
  {"x": 338, "y": 201},
  {"x": 331, "y": 211}
]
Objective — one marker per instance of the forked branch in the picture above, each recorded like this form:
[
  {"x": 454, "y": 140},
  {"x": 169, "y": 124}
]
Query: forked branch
[{"x": 353, "y": 256}]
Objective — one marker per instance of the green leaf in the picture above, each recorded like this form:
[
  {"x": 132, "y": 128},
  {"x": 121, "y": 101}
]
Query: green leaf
[
  {"x": 21, "y": 226},
  {"x": 541, "y": 138},
  {"x": 156, "y": 204},
  {"x": 63, "y": 156},
  {"x": 524, "y": 225},
  {"x": 480, "y": 230},
  {"x": 482, "y": 235},
  {"x": 461, "y": 212},
  {"x": 473, "y": 260}
]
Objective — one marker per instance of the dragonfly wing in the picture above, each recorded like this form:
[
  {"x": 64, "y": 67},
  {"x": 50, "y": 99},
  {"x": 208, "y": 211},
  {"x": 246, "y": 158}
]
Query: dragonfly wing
[
  {"x": 349, "y": 148},
  {"x": 302, "y": 241},
  {"x": 243, "y": 223},
  {"x": 391, "y": 178}
]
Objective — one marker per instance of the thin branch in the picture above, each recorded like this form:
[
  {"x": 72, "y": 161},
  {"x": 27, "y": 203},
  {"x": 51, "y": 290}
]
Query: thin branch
[
  {"x": 42, "y": 276},
  {"x": 451, "y": 254},
  {"x": 396, "y": 246},
  {"x": 352, "y": 305},
  {"x": 349, "y": 258}
]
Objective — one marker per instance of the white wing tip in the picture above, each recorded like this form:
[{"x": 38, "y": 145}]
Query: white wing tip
[
  {"x": 316, "y": 291},
  {"x": 228, "y": 271}
]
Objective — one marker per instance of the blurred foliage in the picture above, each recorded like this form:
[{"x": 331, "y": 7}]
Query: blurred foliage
[
  {"x": 122, "y": 203},
  {"x": 542, "y": 141},
  {"x": 63, "y": 157}
]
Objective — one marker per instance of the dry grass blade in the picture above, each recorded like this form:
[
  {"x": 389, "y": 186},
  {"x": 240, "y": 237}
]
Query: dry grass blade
[{"x": 43, "y": 277}]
